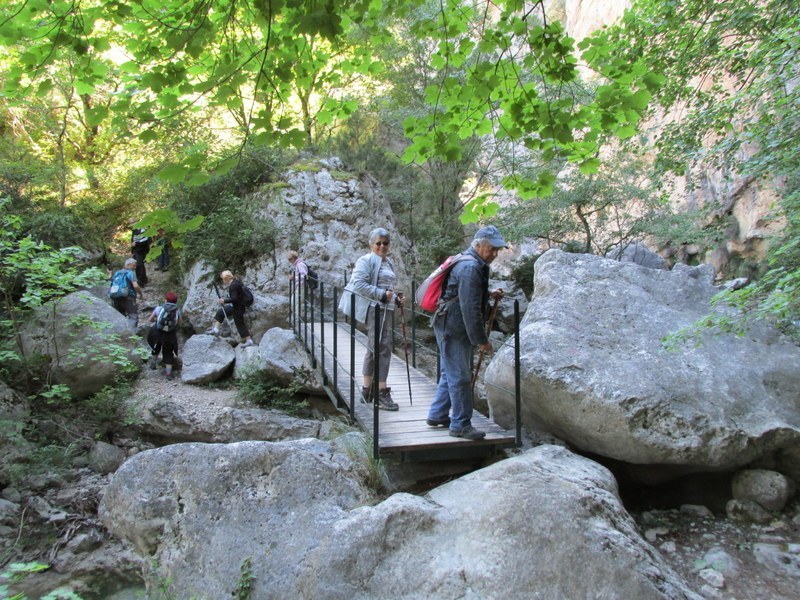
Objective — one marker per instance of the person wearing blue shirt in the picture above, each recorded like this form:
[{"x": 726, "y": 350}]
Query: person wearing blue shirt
[{"x": 127, "y": 305}]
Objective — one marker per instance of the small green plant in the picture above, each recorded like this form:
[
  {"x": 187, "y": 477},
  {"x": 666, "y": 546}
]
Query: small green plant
[
  {"x": 15, "y": 572},
  {"x": 372, "y": 470},
  {"x": 258, "y": 387},
  {"x": 244, "y": 587}
]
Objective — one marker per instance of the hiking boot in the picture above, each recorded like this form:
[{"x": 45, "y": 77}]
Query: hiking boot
[
  {"x": 438, "y": 422},
  {"x": 385, "y": 401},
  {"x": 468, "y": 433},
  {"x": 152, "y": 362},
  {"x": 366, "y": 393}
]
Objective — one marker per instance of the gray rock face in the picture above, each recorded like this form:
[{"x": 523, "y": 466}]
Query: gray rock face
[
  {"x": 546, "y": 524},
  {"x": 79, "y": 351},
  {"x": 595, "y": 373},
  {"x": 331, "y": 214},
  {"x": 205, "y": 359}
]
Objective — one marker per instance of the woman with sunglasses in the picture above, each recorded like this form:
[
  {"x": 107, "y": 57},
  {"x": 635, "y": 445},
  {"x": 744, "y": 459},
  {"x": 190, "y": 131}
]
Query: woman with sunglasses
[{"x": 372, "y": 283}]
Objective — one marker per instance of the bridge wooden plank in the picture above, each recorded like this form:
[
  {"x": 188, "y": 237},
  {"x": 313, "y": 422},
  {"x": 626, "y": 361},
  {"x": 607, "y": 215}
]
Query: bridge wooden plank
[{"x": 399, "y": 431}]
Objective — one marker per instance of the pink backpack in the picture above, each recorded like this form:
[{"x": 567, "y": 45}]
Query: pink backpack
[{"x": 430, "y": 290}]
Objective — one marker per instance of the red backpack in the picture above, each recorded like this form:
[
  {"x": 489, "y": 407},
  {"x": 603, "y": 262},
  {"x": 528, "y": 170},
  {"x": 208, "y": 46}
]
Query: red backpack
[{"x": 430, "y": 290}]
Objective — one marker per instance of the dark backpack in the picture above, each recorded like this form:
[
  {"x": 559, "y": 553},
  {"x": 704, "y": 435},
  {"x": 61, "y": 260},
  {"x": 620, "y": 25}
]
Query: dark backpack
[
  {"x": 168, "y": 317},
  {"x": 247, "y": 295},
  {"x": 119, "y": 284},
  {"x": 430, "y": 291},
  {"x": 312, "y": 278}
]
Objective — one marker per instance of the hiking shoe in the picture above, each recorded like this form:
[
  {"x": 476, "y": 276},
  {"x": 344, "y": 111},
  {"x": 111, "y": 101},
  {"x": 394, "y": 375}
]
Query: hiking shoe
[
  {"x": 438, "y": 422},
  {"x": 211, "y": 331},
  {"x": 468, "y": 433},
  {"x": 366, "y": 393},
  {"x": 152, "y": 362},
  {"x": 248, "y": 343},
  {"x": 385, "y": 401}
]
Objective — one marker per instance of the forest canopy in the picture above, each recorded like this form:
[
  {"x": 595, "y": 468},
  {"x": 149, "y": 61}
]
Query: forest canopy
[{"x": 112, "y": 108}]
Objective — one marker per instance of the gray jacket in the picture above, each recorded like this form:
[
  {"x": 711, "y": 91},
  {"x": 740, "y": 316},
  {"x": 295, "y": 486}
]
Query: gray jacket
[
  {"x": 466, "y": 317},
  {"x": 363, "y": 282}
]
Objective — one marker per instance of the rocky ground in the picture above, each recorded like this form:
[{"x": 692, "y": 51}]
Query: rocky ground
[{"x": 718, "y": 557}]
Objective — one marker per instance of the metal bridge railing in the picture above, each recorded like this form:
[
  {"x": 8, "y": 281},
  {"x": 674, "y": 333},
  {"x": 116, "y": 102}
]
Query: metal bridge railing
[{"x": 309, "y": 306}]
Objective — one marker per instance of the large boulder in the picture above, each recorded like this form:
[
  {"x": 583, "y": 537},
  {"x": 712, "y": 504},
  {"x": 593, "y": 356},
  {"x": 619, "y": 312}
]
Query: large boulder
[
  {"x": 171, "y": 420},
  {"x": 283, "y": 359},
  {"x": 324, "y": 212},
  {"x": 546, "y": 524},
  {"x": 83, "y": 337},
  {"x": 595, "y": 373},
  {"x": 206, "y": 358}
]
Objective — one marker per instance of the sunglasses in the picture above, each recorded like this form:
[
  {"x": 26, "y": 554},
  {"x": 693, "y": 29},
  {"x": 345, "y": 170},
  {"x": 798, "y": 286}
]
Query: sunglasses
[{"x": 381, "y": 244}]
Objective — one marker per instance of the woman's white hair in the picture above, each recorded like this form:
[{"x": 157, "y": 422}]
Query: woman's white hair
[{"x": 379, "y": 232}]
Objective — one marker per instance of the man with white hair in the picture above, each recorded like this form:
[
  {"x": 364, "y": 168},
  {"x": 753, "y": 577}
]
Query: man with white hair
[{"x": 459, "y": 325}]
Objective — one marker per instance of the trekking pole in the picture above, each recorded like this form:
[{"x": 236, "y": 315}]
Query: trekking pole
[
  {"x": 225, "y": 312},
  {"x": 488, "y": 331},
  {"x": 405, "y": 344}
]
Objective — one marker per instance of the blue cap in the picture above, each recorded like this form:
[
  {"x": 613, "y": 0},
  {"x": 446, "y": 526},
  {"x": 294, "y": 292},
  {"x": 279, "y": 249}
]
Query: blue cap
[{"x": 492, "y": 235}]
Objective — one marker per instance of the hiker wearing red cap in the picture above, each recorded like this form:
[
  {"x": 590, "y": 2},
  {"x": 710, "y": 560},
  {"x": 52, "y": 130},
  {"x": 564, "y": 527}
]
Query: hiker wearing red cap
[{"x": 163, "y": 336}]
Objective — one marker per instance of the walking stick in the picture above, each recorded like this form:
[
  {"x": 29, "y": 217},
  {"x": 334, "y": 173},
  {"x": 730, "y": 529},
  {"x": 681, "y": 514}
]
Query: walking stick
[
  {"x": 225, "y": 312},
  {"x": 405, "y": 345},
  {"x": 488, "y": 331}
]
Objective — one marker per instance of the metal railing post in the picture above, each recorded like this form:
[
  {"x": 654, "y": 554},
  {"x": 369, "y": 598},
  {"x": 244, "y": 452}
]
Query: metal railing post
[
  {"x": 304, "y": 296},
  {"x": 375, "y": 386},
  {"x": 413, "y": 324},
  {"x": 313, "y": 335},
  {"x": 517, "y": 386},
  {"x": 335, "y": 310},
  {"x": 322, "y": 332},
  {"x": 353, "y": 356},
  {"x": 291, "y": 305}
]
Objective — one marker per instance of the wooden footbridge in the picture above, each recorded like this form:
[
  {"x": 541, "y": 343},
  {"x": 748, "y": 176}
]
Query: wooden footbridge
[{"x": 337, "y": 349}]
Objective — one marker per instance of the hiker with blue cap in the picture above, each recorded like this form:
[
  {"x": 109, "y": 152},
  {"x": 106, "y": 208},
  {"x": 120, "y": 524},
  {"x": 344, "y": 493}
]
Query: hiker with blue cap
[{"x": 459, "y": 325}]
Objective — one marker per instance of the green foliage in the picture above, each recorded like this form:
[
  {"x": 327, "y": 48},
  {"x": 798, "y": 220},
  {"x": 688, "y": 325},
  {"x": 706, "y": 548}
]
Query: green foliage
[
  {"x": 593, "y": 213},
  {"x": 234, "y": 231},
  {"x": 258, "y": 387},
  {"x": 17, "y": 571},
  {"x": 747, "y": 129},
  {"x": 371, "y": 470},
  {"x": 519, "y": 81},
  {"x": 244, "y": 587},
  {"x": 522, "y": 274},
  {"x": 107, "y": 347},
  {"x": 233, "y": 235}
]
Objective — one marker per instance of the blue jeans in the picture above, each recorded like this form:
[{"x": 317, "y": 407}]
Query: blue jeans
[{"x": 454, "y": 393}]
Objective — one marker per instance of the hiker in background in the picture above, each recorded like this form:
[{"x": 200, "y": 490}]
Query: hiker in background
[
  {"x": 372, "y": 282},
  {"x": 165, "y": 243},
  {"x": 459, "y": 324},
  {"x": 123, "y": 291},
  {"x": 299, "y": 267},
  {"x": 140, "y": 246},
  {"x": 163, "y": 334},
  {"x": 233, "y": 305}
]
